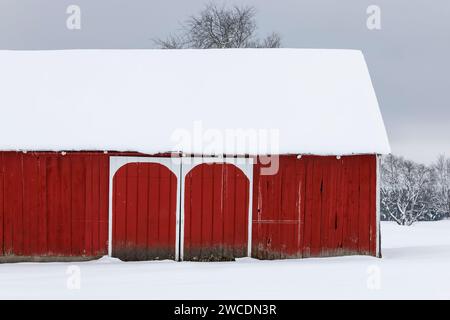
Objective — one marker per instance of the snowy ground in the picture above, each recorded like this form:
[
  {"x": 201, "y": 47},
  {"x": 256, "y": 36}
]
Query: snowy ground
[{"x": 415, "y": 264}]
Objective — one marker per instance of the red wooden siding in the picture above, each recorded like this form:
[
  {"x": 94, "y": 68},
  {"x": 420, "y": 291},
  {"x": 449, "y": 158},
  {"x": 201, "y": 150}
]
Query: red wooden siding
[
  {"x": 216, "y": 212},
  {"x": 315, "y": 206},
  {"x": 53, "y": 204},
  {"x": 56, "y": 205},
  {"x": 144, "y": 212}
]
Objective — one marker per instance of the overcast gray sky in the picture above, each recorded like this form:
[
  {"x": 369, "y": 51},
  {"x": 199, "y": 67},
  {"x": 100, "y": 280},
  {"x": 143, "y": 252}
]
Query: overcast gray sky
[{"x": 409, "y": 58}]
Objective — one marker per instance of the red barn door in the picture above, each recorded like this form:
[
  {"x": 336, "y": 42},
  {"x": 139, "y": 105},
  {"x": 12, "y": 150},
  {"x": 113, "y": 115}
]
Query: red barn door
[
  {"x": 216, "y": 199},
  {"x": 144, "y": 204}
]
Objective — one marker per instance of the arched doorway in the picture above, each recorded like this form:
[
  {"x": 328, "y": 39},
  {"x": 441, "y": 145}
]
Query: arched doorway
[
  {"x": 144, "y": 212},
  {"x": 216, "y": 199}
]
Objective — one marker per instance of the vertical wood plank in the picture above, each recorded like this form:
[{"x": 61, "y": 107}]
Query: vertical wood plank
[
  {"x": 241, "y": 215},
  {"x": 2, "y": 209},
  {"x": 220, "y": 174},
  {"x": 104, "y": 205},
  {"x": 229, "y": 212},
  {"x": 30, "y": 205},
  {"x": 308, "y": 207},
  {"x": 78, "y": 200},
  {"x": 347, "y": 190},
  {"x": 154, "y": 191},
  {"x": 52, "y": 194},
  {"x": 10, "y": 200},
  {"x": 301, "y": 178},
  {"x": 364, "y": 205},
  {"x": 373, "y": 205},
  {"x": 206, "y": 209},
  {"x": 173, "y": 229},
  {"x": 341, "y": 203},
  {"x": 316, "y": 208},
  {"x": 95, "y": 160},
  {"x": 165, "y": 213},
  {"x": 42, "y": 212},
  {"x": 256, "y": 214},
  {"x": 142, "y": 206},
  {"x": 354, "y": 205},
  {"x": 88, "y": 240},
  {"x": 66, "y": 205},
  {"x": 332, "y": 216},
  {"x": 18, "y": 231},
  {"x": 289, "y": 209},
  {"x": 131, "y": 203},
  {"x": 326, "y": 163},
  {"x": 275, "y": 228}
]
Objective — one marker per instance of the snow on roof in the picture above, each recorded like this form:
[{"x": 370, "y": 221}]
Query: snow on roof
[{"x": 303, "y": 101}]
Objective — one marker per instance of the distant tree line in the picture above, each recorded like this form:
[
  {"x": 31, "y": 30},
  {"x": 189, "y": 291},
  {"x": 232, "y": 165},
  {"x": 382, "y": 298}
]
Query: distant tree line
[{"x": 413, "y": 192}]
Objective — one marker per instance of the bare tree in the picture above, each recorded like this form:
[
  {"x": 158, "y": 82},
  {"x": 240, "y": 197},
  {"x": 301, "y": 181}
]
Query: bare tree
[
  {"x": 440, "y": 201},
  {"x": 404, "y": 190},
  {"x": 171, "y": 42},
  {"x": 271, "y": 41},
  {"x": 220, "y": 27}
]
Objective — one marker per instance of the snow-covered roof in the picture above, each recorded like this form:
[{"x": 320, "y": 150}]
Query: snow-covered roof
[{"x": 303, "y": 101}]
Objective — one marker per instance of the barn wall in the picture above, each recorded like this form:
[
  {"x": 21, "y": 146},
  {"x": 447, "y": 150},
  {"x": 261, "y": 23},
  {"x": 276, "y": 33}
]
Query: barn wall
[
  {"x": 53, "y": 204},
  {"x": 315, "y": 206},
  {"x": 57, "y": 205}
]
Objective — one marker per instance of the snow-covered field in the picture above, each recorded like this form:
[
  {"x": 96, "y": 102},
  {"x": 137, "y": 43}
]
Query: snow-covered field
[{"x": 415, "y": 264}]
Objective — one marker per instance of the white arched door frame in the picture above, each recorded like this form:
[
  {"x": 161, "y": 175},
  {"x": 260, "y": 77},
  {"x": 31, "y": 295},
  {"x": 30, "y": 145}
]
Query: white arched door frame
[
  {"x": 180, "y": 167},
  {"x": 117, "y": 162}
]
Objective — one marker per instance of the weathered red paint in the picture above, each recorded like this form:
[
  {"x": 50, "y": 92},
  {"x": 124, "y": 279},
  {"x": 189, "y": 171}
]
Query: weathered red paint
[
  {"x": 216, "y": 212},
  {"x": 53, "y": 204},
  {"x": 144, "y": 212},
  {"x": 56, "y": 205},
  {"x": 315, "y": 206}
]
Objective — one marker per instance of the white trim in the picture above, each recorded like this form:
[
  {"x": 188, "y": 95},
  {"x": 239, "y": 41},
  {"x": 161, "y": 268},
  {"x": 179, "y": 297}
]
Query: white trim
[
  {"x": 110, "y": 203},
  {"x": 249, "y": 175},
  {"x": 244, "y": 164},
  {"x": 378, "y": 209},
  {"x": 181, "y": 227},
  {"x": 116, "y": 162}
]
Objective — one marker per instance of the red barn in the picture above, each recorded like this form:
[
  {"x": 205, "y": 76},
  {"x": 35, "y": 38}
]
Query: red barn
[{"x": 188, "y": 154}]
